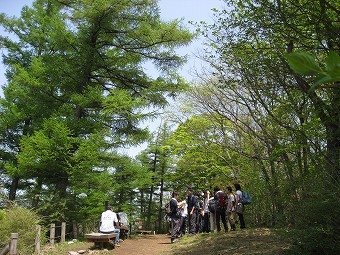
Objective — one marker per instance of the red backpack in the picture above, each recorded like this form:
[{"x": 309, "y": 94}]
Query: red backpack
[{"x": 222, "y": 200}]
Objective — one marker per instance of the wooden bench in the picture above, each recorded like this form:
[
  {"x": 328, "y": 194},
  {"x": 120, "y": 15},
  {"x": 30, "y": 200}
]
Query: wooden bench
[
  {"x": 100, "y": 239},
  {"x": 144, "y": 232}
]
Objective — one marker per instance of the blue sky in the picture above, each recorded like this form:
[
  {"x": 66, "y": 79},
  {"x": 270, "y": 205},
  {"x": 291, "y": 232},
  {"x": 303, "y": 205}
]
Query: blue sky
[{"x": 189, "y": 10}]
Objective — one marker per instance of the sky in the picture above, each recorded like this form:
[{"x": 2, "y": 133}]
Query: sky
[{"x": 189, "y": 10}]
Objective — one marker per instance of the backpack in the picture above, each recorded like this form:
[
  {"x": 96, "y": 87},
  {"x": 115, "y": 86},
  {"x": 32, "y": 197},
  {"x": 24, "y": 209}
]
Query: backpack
[
  {"x": 212, "y": 205},
  {"x": 168, "y": 209},
  {"x": 222, "y": 200},
  {"x": 246, "y": 198}
]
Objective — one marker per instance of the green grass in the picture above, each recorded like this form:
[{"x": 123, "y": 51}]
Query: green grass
[{"x": 245, "y": 242}]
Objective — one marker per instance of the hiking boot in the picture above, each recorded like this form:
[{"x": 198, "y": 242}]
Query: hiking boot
[{"x": 117, "y": 245}]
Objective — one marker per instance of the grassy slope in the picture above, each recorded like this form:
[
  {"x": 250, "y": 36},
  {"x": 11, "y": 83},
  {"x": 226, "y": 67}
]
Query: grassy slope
[{"x": 245, "y": 242}]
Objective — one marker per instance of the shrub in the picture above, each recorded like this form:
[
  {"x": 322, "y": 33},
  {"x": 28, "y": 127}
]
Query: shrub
[
  {"x": 317, "y": 225},
  {"x": 22, "y": 221}
]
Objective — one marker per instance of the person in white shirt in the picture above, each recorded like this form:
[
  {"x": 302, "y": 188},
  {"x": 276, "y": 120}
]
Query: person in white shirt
[
  {"x": 184, "y": 216},
  {"x": 107, "y": 223},
  {"x": 206, "y": 212}
]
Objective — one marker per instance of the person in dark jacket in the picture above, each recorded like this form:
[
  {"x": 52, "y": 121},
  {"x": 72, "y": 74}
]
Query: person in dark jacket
[
  {"x": 220, "y": 209},
  {"x": 175, "y": 217},
  {"x": 192, "y": 211}
]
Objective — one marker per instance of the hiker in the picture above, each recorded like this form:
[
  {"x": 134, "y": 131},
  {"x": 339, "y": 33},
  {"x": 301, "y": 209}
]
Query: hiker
[
  {"x": 200, "y": 213},
  {"x": 206, "y": 213},
  {"x": 221, "y": 207},
  {"x": 192, "y": 211},
  {"x": 107, "y": 223},
  {"x": 239, "y": 205},
  {"x": 212, "y": 214},
  {"x": 231, "y": 208},
  {"x": 184, "y": 217},
  {"x": 175, "y": 217}
]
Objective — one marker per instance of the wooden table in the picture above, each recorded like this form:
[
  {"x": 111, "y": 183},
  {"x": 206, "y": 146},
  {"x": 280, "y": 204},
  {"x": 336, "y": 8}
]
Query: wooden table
[{"x": 100, "y": 238}]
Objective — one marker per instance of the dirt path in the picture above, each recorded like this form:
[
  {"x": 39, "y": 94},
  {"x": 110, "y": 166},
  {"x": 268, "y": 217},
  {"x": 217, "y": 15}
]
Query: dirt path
[{"x": 145, "y": 245}]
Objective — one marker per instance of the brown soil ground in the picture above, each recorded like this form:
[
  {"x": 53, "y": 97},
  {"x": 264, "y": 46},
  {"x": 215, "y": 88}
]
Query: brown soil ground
[
  {"x": 145, "y": 245},
  {"x": 135, "y": 245}
]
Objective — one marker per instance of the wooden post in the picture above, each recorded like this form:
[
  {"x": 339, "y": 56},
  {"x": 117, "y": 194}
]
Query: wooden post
[
  {"x": 5, "y": 250},
  {"x": 13, "y": 244},
  {"x": 37, "y": 240},
  {"x": 63, "y": 232},
  {"x": 52, "y": 234},
  {"x": 75, "y": 229}
]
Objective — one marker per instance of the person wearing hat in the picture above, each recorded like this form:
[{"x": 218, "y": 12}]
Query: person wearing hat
[{"x": 107, "y": 223}]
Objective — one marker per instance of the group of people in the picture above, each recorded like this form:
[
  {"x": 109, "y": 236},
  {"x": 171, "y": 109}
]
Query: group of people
[{"x": 195, "y": 213}]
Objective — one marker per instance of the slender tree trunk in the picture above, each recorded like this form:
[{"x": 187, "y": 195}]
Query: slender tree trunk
[
  {"x": 160, "y": 218},
  {"x": 149, "y": 212},
  {"x": 142, "y": 204},
  {"x": 13, "y": 188},
  {"x": 37, "y": 192},
  {"x": 148, "y": 222}
]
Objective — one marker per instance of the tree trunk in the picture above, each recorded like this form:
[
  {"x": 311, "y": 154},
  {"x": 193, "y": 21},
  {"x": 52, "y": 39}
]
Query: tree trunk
[
  {"x": 13, "y": 188},
  {"x": 36, "y": 193},
  {"x": 160, "y": 210},
  {"x": 149, "y": 212}
]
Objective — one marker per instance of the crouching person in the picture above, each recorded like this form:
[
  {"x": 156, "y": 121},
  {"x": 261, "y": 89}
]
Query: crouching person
[{"x": 107, "y": 223}]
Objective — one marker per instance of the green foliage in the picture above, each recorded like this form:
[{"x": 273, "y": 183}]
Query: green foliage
[
  {"x": 317, "y": 222},
  {"x": 202, "y": 162},
  {"x": 22, "y": 221},
  {"x": 305, "y": 64},
  {"x": 317, "y": 218},
  {"x": 77, "y": 91},
  {"x": 50, "y": 147},
  {"x": 283, "y": 128}
]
